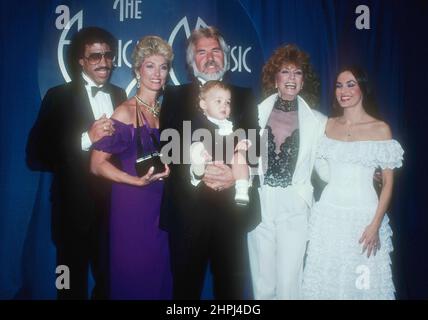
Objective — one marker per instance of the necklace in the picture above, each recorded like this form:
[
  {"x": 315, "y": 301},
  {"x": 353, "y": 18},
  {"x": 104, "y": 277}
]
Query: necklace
[
  {"x": 348, "y": 132},
  {"x": 347, "y": 125},
  {"x": 350, "y": 124},
  {"x": 154, "y": 110}
]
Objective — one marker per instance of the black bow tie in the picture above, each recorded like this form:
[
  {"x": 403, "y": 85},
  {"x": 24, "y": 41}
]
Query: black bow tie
[{"x": 95, "y": 90}]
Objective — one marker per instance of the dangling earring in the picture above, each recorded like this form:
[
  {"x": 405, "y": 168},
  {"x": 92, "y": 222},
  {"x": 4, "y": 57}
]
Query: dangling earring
[
  {"x": 276, "y": 85},
  {"x": 138, "y": 80},
  {"x": 163, "y": 87}
]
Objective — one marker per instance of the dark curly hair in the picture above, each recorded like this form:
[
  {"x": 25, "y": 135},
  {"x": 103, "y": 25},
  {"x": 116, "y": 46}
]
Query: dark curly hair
[
  {"x": 87, "y": 36},
  {"x": 291, "y": 54}
]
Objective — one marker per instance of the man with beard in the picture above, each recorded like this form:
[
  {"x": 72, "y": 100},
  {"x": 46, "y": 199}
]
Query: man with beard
[
  {"x": 211, "y": 236},
  {"x": 72, "y": 117}
]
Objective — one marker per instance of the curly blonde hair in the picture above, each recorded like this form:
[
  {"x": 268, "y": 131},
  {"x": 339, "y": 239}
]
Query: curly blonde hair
[
  {"x": 149, "y": 46},
  {"x": 291, "y": 54}
]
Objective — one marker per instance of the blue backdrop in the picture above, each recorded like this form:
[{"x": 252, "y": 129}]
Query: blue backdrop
[{"x": 32, "y": 47}]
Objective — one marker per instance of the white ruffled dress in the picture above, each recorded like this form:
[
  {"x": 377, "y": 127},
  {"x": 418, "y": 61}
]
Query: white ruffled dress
[{"x": 334, "y": 266}]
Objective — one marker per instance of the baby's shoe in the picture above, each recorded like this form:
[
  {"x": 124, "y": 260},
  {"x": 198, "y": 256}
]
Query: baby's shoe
[
  {"x": 198, "y": 170},
  {"x": 242, "y": 199}
]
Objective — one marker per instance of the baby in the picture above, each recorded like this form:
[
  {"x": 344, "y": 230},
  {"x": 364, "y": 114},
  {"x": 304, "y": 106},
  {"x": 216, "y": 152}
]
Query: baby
[{"x": 214, "y": 101}]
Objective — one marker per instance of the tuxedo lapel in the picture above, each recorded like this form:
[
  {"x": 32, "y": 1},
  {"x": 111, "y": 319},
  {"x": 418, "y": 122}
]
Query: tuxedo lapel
[
  {"x": 115, "y": 96},
  {"x": 307, "y": 125},
  {"x": 191, "y": 101},
  {"x": 265, "y": 109},
  {"x": 236, "y": 108},
  {"x": 82, "y": 106}
]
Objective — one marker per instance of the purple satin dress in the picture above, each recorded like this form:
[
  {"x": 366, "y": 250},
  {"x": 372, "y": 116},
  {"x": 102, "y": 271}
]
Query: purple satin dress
[{"x": 139, "y": 252}]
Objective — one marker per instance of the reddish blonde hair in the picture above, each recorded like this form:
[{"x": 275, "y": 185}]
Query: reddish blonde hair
[{"x": 291, "y": 54}]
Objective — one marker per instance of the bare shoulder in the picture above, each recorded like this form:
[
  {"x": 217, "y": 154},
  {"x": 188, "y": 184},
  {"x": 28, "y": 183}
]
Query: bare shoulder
[
  {"x": 381, "y": 130},
  {"x": 124, "y": 113},
  {"x": 331, "y": 122}
]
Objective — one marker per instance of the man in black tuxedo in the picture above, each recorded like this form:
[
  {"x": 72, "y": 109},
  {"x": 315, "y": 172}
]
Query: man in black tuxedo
[
  {"x": 208, "y": 236},
  {"x": 72, "y": 117}
]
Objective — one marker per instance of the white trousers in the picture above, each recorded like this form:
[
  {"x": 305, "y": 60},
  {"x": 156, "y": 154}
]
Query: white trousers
[{"x": 277, "y": 246}]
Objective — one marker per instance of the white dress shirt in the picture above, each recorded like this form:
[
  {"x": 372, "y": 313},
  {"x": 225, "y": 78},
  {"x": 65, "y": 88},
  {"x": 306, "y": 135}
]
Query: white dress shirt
[{"x": 100, "y": 104}]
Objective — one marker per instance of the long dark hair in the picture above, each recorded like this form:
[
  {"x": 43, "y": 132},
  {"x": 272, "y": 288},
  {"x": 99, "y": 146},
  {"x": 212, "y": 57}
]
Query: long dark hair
[{"x": 369, "y": 100}]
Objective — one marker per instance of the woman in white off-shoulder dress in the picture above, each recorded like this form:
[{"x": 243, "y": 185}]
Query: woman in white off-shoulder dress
[{"x": 349, "y": 232}]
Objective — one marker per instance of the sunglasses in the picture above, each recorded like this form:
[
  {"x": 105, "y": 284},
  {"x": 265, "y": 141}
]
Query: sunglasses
[{"x": 96, "y": 57}]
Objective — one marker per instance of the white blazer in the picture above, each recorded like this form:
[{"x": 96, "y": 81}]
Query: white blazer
[{"x": 311, "y": 129}]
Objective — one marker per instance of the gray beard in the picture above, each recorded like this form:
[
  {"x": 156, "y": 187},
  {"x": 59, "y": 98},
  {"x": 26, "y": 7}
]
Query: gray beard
[{"x": 208, "y": 76}]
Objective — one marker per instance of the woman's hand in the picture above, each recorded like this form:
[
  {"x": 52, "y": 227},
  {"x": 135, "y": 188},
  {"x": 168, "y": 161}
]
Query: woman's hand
[
  {"x": 370, "y": 239},
  {"x": 149, "y": 177}
]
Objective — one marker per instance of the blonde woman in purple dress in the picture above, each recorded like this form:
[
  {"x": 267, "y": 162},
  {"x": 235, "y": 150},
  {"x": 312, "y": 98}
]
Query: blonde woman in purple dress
[{"x": 139, "y": 252}]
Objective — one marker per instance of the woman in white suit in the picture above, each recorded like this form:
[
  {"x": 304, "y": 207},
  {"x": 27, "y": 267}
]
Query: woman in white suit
[{"x": 292, "y": 131}]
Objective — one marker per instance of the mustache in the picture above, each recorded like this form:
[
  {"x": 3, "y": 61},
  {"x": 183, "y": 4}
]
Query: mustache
[
  {"x": 211, "y": 64},
  {"x": 103, "y": 69}
]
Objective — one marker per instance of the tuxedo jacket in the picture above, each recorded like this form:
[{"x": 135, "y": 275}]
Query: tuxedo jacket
[
  {"x": 311, "y": 128},
  {"x": 180, "y": 103},
  {"x": 54, "y": 145}
]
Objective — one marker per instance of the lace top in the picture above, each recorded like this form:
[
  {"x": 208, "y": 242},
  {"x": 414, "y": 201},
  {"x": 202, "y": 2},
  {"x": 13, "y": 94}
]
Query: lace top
[
  {"x": 283, "y": 143},
  {"x": 285, "y": 105}
]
